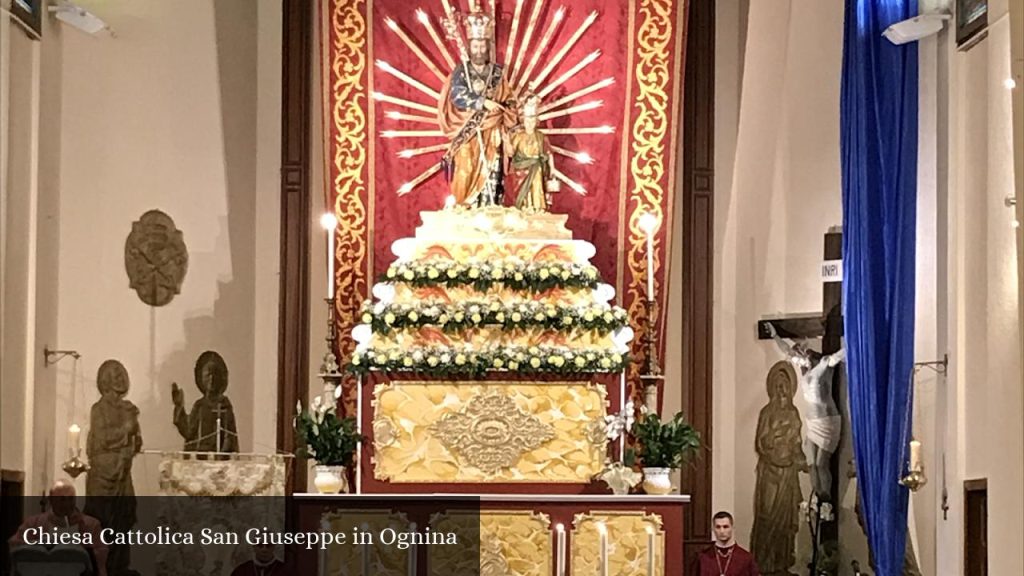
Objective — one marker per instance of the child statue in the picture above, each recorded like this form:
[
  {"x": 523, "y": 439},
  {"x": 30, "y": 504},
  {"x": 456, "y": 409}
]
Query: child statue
[
  {"x": 531, "y": 164},
  {"x": 210, "y": 426}
]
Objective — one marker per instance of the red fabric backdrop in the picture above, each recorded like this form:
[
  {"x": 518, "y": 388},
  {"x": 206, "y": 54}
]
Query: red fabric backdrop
[{"x": 634, "y": 167}]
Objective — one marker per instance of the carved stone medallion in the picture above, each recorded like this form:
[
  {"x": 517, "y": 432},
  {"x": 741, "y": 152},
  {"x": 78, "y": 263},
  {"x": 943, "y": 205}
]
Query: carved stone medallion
[
  {"x": 491, "y": 432},
  {"x": 155, "y": 258}
]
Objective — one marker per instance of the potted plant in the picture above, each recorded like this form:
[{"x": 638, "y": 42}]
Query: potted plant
[
  {"x": 329, "y": 440},
  {"x": 663, "y": 447}
]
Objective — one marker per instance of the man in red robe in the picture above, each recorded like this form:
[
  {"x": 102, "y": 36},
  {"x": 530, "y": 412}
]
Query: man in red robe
[{"x": 726, "y": 557}]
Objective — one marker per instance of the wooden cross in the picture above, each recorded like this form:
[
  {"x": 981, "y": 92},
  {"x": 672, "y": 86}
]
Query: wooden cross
[{"x": 827, "y": 325}]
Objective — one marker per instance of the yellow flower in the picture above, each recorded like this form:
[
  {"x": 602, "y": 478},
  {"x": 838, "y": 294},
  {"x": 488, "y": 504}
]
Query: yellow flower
[
  {"x": 552, "y": 311},
  {"x": 476, "y": 319},
  {"x": 535, "y": 362},
  {"x": 588, "y": 316},
  {"x": 498, "y": 363},
  {"x": 393, "y": 355},
  {"x": 591, "y": 273},
  {"x": 497, "y": 274},
  {"x": 432, "y": 273},
  {"x": 518, "y": 277},
  {"x": 539, "y": 317},
  {"x": 557, "y": 361},
  {"x": 367, "y": 318},
  {"x": 617, "y": 358},
  {"x": 516, "y": 317},
  {"x": 432, "y": 360},
  {"x": 391, "y": 272},
  {"x": 544, "y": 274},
  {"x": 567, "y": 320},
  {"x": 608, "y": 317},
  {"x": 407, "y": 362},
  {"x": 442, "y": 319},
  {"x": 474, "y": 273},
  {"x": 413, "y": 316},
  {"x": 452, "y": 273},
  {"x": 459, "y": 316},
  {"x": 500, "y": 317},
  {"x": 565, "y": 274},
  {"x": 605, "y": 363},
  {"x": 389, "y": 318},
  {"x": 495, "y": 306},
  {"x": 513, "y": 365},
  {"x": 534, "y": 350},
  {"x": 460, "y": 359},
  {"x": 408, "y": 275},
  {"x": 581, "y": 361},
  {"x": 356, "y": 359}
]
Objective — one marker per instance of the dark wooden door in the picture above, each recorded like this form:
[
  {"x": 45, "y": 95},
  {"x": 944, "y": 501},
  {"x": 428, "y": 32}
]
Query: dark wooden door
[{"x": 976, "y": 528}]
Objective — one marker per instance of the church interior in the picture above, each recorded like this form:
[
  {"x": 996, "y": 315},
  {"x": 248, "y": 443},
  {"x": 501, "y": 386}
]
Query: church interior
[{"x": 625, "y": 287}]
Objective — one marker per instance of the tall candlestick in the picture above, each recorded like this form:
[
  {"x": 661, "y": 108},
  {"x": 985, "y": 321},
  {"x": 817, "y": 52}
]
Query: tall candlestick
[
  {"x": 602, "y": 533},
  {"x": 915, "y": 455},
  {"x": 74, "y": 438},
  {"x": 650, "y": 551},
  {"x": 560, "y": 562},
  {"x": 218, "y": 434}
]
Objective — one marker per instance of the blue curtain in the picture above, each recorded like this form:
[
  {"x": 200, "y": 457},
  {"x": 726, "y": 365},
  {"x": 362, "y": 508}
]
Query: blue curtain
[{"x": 878, "y": 133}]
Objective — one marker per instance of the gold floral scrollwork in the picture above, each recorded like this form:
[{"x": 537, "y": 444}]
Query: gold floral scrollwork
[
  {"x": 650, "y": 130},
  {"x": 491, "y": 432},
  {"x": 384, "y": 433},
  {"x": 492, "y": 560},
  {"x": 345, "y": 35},
  {"x": 628, "y": 543}
]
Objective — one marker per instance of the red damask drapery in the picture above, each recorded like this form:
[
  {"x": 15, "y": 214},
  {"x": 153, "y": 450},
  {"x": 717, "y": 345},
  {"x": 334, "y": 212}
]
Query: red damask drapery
[{"x": 637, "y": 43}]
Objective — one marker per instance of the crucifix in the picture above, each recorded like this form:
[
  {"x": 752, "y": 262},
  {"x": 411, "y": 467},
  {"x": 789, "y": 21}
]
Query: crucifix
[
  {"x": 219, "y": 412},
  {"x": 824, "y": 420}
]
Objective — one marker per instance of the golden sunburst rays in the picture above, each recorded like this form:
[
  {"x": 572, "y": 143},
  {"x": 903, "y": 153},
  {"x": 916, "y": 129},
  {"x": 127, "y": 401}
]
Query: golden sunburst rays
[{"x": 438, "y": 45}]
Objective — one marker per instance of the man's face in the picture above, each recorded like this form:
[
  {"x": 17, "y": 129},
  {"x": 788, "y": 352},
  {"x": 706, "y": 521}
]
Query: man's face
[
  {"x": 723, "y": 530},
  {"x": 479, "y": 51},
  {"x": 264, "y": 554}
]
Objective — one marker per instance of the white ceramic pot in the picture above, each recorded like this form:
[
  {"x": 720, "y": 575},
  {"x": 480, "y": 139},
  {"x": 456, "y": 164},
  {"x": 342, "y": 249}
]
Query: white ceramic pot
[
  {"x": 331, "y": 480},
  {"x": 658, "y": 481}
]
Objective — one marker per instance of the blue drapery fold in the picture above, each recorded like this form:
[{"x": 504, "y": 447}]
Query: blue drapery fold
[{"x": 878, "y": 133}]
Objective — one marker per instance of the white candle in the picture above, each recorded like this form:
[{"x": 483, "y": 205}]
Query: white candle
[
  {"x": 74, "y": 437},
  {"x": 412, "y": 552},
  {"x": 365, "y": 550},
  {"x": 622, "y": 410},
  {"x": 560, "y": 563},
  {"x": 602, "y": 533},
  {"x": 358, "y": 469},
  {"x": 915, "y": 455},
  {"x": 650, "y": 266},
  {"x": 329, "y": 223},
  {"x": 649, "y": 223},
  {"x": 650, "y": 551},
  {"x": 449, "y": 202}
]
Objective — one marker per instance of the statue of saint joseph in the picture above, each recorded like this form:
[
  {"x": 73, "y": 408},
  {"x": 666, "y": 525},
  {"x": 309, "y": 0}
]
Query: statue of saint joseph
[{"x": 475, "y": 110}]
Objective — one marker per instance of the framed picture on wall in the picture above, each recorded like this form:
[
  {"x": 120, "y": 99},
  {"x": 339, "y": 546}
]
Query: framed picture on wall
[
  {"x": 30, "y": 13},
  {"x": 971, "y": 21}
]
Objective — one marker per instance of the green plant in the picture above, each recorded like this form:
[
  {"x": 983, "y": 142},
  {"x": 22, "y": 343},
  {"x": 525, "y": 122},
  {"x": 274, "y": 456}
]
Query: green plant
[
  {"x": 665, "y": 444},
  {"x": 325, "y": 437}
]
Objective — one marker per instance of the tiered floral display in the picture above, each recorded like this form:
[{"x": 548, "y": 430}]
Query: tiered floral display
[{"x": 491, "y": 290}]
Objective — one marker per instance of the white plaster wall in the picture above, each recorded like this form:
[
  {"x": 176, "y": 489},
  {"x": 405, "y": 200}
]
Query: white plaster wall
[
  {"x": 179, "y": 112},
  {"x": 777, "y": 194},
  {"x": 985, "y": 392}
]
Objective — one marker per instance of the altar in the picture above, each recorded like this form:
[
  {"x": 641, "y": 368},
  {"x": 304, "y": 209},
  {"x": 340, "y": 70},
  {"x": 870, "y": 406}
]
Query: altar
[{"x": 528, "y": 534}]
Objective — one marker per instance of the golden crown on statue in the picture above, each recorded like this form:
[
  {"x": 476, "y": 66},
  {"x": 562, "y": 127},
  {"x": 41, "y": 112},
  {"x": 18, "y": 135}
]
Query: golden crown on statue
[{"x": 479, "y": 26}]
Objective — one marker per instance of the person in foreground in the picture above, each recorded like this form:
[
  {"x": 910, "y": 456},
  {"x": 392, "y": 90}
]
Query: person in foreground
[
  {"x": 726, "y": 557},
  {"x": 62, "y": 516}
]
